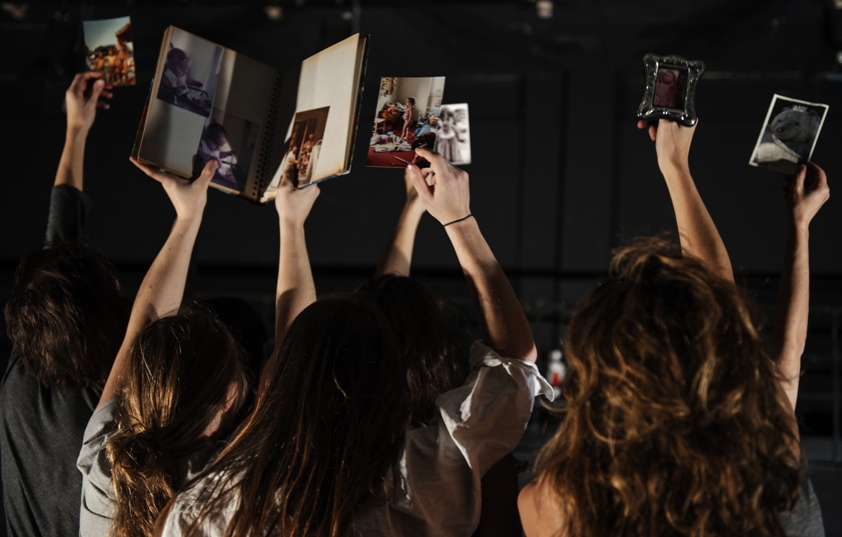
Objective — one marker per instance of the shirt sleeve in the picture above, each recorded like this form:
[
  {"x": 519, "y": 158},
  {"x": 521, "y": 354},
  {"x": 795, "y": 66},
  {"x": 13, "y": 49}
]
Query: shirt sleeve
[
  {"x": 437, "y": 476},
  {"x": 69, "y": 209},
  {"x": 98, "y": 498}
]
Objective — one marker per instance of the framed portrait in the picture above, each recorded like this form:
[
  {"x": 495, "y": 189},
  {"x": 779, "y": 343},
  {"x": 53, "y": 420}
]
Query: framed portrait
[{"x": 670, "y": 89}]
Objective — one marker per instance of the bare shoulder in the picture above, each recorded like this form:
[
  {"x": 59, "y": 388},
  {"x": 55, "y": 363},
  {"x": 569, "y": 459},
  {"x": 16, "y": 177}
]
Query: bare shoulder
[{"x": 539, "y": 512}]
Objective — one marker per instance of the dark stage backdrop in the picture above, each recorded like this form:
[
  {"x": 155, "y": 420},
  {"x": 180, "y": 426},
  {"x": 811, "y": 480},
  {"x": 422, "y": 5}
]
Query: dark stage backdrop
[{"x": 560, "y": 176}]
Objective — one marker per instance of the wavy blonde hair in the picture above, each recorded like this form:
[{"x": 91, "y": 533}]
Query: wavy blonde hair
[{"x": 675, "y": 421}]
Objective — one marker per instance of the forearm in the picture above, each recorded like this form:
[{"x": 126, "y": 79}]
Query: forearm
[
  {"x": 296, "y": 289},
  {"x": 397, "y": 258},
  {"x": 792, "y": 309},
  {"x": 70, "y": 167},
  {"x": 503, "y": 324},
  {"x": 160, "y": 294},
  {"x": 697, "y": 232}
]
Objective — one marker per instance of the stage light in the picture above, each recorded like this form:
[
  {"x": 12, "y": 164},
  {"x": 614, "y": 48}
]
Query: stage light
[
  {"x": 274, "y": 13},
  {"x": 544, "y": 9}
]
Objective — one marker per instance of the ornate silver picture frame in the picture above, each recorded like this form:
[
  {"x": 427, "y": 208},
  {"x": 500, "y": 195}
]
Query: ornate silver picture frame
[{"x": 670, "y": 91}]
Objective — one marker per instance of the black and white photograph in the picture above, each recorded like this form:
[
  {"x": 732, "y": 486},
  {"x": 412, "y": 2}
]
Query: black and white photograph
[
  {"x": 231, "y": 142},
  {"x": 190, "y": 73},
  {"x": 453, "y": 139},
  {"x": 407, "y": 116},
  {"x": 789, "y": 134}
]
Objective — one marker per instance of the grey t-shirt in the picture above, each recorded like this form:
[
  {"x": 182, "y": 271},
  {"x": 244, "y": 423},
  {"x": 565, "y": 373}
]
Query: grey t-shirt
[
  {"x": 805, "y": 520},
  {"x": 41, "y": 428},
  {"x": 98, "y": 498}
]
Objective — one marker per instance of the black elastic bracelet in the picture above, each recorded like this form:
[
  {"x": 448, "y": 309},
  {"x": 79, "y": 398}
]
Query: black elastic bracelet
[{"x": 455, "y": 221}]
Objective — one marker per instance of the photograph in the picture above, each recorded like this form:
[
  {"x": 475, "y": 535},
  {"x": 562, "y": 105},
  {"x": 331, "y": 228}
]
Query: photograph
[
  {"x": 407, "y": 116},
  {"x": 231, "y": 141},
  {"x": 190, "y": 73},
  {"x": 788, "y": 135},
  {"x": 453, "y": 139},
  {"x": 670, "y": 84},
  {"x": 109, "y": 50},
  {"x": 302, "y": 149}
]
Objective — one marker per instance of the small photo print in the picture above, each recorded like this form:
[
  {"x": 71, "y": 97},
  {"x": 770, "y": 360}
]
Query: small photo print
[
  {"x": 190, "y": 73},
  {"x": 453, "y": 140},
  {"x": 670, "y": 87},
  {"x": 788, "y": 135},
  {"x": 305, "y": 145},
  {"x": 407, "y": 116},
  {"x": 109, "y": 50},
  {"x": 231, "y": 141}
]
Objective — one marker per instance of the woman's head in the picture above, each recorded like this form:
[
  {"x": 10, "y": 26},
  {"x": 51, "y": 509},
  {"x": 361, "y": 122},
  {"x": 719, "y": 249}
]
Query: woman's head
[
  {"x": 215, "y": 135},
  {"x": 432, "y": 338},
  {"x": 178, "y": 61},
  {"x": 328, "y": 422},
  {"x": 675, "y": 421},
  {"x": 186, "y": 382}
]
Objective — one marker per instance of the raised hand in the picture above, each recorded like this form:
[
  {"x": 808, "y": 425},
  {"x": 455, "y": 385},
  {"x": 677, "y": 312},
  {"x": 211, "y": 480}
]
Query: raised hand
[
  {"x": 188, "y": 197},
  {"x": 413, "y": 200},
  {"x": 294, "y": 204},
  {"x": 806, "y": 192},
  {"x": 672, "y": 142},
  {"x": 443, "y": 189},
  {"x": 83, "y": 97}
]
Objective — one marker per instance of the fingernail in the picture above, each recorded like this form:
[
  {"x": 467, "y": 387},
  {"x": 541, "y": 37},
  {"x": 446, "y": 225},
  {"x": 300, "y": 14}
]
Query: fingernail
[
  {"x": 99, "y": 83},
  {"x": 409, "y": 166}
]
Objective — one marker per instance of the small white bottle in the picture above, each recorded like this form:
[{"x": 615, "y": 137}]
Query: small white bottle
[{"x": 555, "y": 371}]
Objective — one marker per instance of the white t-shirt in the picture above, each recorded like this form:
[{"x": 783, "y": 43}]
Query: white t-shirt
[{"x": 436, "y": 477}]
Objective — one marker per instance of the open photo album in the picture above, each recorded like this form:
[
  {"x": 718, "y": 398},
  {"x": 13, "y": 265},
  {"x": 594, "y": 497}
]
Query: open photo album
[{"x": 208, "y": 102}]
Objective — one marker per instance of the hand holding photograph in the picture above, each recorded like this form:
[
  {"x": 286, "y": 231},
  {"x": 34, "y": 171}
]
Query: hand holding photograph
[
  {"x": 789, "y": 134},
  {"x": 109, "y": 50},
  {"x": 408, "y": 116},
  {"x": 670, "y": 89}
]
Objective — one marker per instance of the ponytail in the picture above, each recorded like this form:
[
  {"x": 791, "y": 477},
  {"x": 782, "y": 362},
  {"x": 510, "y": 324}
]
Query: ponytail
[{"x": 145, "y": 478}]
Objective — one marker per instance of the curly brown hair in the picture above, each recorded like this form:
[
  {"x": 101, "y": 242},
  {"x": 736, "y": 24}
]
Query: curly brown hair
[{"x": 675, "y": 421}]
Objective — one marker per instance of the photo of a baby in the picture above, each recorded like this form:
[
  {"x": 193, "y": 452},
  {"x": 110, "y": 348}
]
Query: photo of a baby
[
  {"x": 109, "y": 50},
  {"x": 408, "y": 116},
  {"x": 231, "y": 141},
  {"x": 788, "y": 135},
  {"x": 190, "y": 73},
  {"x": 453, "y": 139}
]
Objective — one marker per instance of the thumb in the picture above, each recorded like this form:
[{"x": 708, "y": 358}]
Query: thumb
[
  {"x": 207, "y": 173},
  {"x": 800, "y": 177},
  {"x": 419, "y": 182},
  {"x": 99, "y": 85}
]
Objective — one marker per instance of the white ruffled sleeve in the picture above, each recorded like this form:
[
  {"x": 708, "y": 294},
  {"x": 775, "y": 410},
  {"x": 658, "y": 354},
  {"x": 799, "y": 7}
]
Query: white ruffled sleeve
[{"x": 436, "y": 479}]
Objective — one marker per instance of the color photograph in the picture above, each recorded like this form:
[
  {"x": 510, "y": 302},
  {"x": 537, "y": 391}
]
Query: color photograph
[
  {"x": 190, "y": 73},
  {"x": 109, "y": 50},
  {"x": 407, "y": 117}
]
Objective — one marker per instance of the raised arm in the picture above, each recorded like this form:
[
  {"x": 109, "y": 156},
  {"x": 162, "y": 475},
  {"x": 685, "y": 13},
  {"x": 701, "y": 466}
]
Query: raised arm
[
  {"x": 296, "y": 289},
  {"x": 82, "y": 99},
  {"x": 503, "y": 324},
  {"x": 162, "y": 289},
  {"x": 696, "y": 230},
  {"x": 807, "y": 191},
  {"x": 397, "y": 257}
]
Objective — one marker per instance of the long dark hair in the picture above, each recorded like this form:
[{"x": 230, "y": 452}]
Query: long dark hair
[
  {"x": 67, "y": 315},
  {"x": 432, "y": 337},
  {"x": 317, "y": 445},
  {"x": 184, "y": 370},
  {"x": 676, "y": 422}
]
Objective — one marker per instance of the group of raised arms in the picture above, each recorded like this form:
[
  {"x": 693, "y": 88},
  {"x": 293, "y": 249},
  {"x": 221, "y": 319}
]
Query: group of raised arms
[{"x": 374, "y": 415}]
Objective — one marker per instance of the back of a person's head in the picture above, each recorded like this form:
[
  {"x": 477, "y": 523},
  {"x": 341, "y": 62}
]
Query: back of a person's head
[
  {"x": 66, "y": 315},
  {"x": 675, "y": 421},
  {"x": 324, "y": 430},
  {"x": 431, "y": 335},
  {"x": 184, "y": 370}
]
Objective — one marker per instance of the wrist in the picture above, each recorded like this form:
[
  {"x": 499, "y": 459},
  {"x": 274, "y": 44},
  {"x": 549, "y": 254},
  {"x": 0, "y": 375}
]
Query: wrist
[
  {"x": 76, "y": 132},
  {"x": 674, "y": 166},
  {"x": 800, "y": 225}
]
